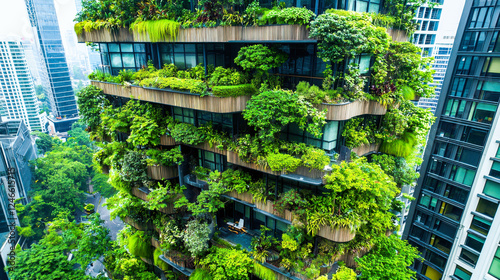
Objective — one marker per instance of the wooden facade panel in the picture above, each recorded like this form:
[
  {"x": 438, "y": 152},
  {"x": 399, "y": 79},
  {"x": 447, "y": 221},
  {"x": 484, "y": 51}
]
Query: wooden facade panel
[
  {"x": 365, "y": 149},
  {"x": 208, "y": 103},
  {"x": 220, "y": 34},
  {"x": 346, "y": 111},
  {"x": 336, "y": 234},
  {"x": 163, "y": 172}
]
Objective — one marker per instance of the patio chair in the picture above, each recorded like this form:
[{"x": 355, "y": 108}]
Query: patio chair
[{"x": 237, "y": 227}]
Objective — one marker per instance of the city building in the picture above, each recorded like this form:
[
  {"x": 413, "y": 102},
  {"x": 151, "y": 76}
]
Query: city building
[
  {"x": 437, "y": 26},
  {"x": 455, "y": 222},
  {"x": 209, "y": 129},
  {"x": 56, "y": 80},
  {"x": 17, "y": 91},
  {"x": 17, "y": 148}
]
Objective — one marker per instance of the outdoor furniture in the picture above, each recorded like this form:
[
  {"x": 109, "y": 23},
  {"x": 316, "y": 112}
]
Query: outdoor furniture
[{"x": 236, "y": 228}]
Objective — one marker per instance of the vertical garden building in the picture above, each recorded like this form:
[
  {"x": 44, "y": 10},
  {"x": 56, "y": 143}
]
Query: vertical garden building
[{"x": 267, "y": 128}]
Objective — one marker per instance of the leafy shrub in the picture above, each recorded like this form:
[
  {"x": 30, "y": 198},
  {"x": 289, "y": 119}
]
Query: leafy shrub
[
  {"x": 290, "y": 200},
  {"x": 233, "y": 91},
  {"x": 125, "y": 76},
  {"x": 197, "y": 72},
  {"x": 293, "y": 15},
  {"x": 357, "y": 133},
  {"x": 236, "y": 180},
  {"x": 164, "y": 157},
  {"x": 263, "y": 272},
  {"x": 227, "y": 264},
  {"x": 133, "y": 168},
  {"x": 89, "y": 207},
  {"x": 315, "y": 159},
  {"x": 226, "y": 77},
  {"x": 194, "y": 86},
  {"x": 168, "y": 70},
  {"x": 283, "y": 162},
  {"x": 260, "y": 58},
  {"x": 139, "y": 244},
  {"x": 196, "y": 237},
  {"x": 91, "y": 103},
  {"x": 310, "y": 93},
  {"x": 187, "y": 134}
]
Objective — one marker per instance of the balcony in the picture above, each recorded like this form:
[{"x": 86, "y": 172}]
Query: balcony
[
  {"x": 177, "y": 98},
  {"x": 346, "y": 111},
  {"x": 334, "y": 234},
  {"x": 220, "y": 34}
]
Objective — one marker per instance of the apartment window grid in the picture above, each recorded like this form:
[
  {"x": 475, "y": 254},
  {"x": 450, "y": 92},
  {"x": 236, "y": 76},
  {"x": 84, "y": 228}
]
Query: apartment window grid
[
  {"x": 123, "y": 56},
  {"x": 495, "y": 265}
]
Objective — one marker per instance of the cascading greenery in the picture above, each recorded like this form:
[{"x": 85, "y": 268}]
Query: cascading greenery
[
  {"x": 139, "y": 244},
  {"x": 157, "y": 30}
]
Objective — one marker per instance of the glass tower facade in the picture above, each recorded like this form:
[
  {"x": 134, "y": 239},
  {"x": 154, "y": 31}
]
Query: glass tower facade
[
  {"x": 454, "y": 211},
  {"x": 60, "y": 93}
]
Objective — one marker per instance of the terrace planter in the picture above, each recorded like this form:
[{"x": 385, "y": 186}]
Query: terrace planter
[
  {"x": 161, "y": 172},
  {"x": 138, "y": 225},
  {"x": 179, "y": 259},
  {"x": 340, "y": 235},
  {"x": 264, "y": 206},
  {"x": 177, "y": 98},
  {"x": 233, "y": 158},
  {"x": 142, "y": 194},
  {"x": 218, "y": 34},
  {"x": 365, "y": 149},
  {"x": 346, "y": 111},
  {"x": 166, "y": 140}
]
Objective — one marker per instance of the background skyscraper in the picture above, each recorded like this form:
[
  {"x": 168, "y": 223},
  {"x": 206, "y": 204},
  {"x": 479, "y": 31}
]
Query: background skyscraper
[
  {"x": 435, "y": 35},
  {"x": 17, "y": 91},
  {"x": 60, "y": 93},
  {"x": 454, "y": 220}
]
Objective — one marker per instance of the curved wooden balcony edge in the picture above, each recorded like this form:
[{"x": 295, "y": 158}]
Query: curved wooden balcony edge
[
  {"x": 219, "y": 34},
  {"x": 212, "y": 104}
]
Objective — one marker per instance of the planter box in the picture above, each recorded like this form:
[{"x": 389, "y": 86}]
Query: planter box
[
  {"x": 346, "y": 111},
  {"x": 163, "y": 172},
  {"x": 167, "y": 140},
  {"x": 155, "y": 242},
  {"x": 365, "y": 149},
  {"x": 214, "y": 34},
  {"x": 336, "y": 234},
  {"x": 233, "y": 158},
  {"x": 138, "y": 225},
  {"x": 180, "y": 260},
  {"x": 176, "y": 98},
  {"x": 206, "y": 146}
]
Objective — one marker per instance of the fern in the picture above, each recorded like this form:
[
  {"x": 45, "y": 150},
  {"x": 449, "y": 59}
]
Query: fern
[
  {"x": 200, "y": 274},
  {"x": 158, "y": 30}
]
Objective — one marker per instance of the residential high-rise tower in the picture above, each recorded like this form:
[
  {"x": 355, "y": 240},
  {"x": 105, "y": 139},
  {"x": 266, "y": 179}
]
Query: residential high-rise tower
[
  {"x": 454, "y": 221},
  {"x": 18, "y": 98},
  {"x": 60, "y": 93}
]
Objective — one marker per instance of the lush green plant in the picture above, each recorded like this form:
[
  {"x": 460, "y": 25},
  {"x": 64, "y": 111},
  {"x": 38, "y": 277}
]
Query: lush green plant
[
  {"x": 139, "y": 244},
  {"x": 404, "y": 13},
  {"x": 196, "y": 237},
  {"x": 201, "y": 274},
  {"x": 293, "y": 15},
  {"x": 310, "y": 93},
  {"x": 236, "y": 180},
  {"x": 201, "y": 172},
  {"x": 133, "y": 168},
  {"x": 361, "y": 196},
  {"x": 397, "y": 167},
  {"x": 158, "y": 262},
  {"x": 91, "y": 103},
  {"x": 290, "y": 200},
  {"x": 344, "y": 35},
  {"x": 194, "y": 86},
  {"x": 227, "y": 264},
  {"x": 187, "y": 134},
  {"x": 344, "y": 273},
  {"x": 226, "y": 77},
  {"x": 271, "y": 110},
  {"x": 263, "y": 272},
  {"x": 157, "y": 30},
  {"x": 283, "y": 162},
  {"x": 359, "y": 132},
  {"x": 261, "y": 244},
  {"x": 390, "y": 258},
  {"x": 233, "y": 91},
  {"x": 315, "y": 159},
  {"x": 208, "y": 201},
  {"x": 164, "y": 157},
  {"x": 89, "y": 207},
  {"x": 145, "y": 132},
  {"x": 163, "y": 195}
]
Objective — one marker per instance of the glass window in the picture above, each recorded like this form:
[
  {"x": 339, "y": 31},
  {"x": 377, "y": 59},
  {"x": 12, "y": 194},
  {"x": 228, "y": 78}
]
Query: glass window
[
  {"x": 450, "y": 211},
  {"x": 492, "y": 188},
  {"x": 456, "y": 193},
  {"x": 474, "y": 241},
  {"x": 462, "y": 175},
  {"x": 486, "y": 207},
  {"x": 440, "y": 244},
  {"x": 128, "y": 60},
  {"x": 495, "y": 265},
  {"x": 114, "y": 48},
  {"x": 461, "y": 273},
  {"x": 469, "y": 256},
  {"x": 127, "y": 48},
  {"x": 116, "y": 60},
  {"x": 492, "y": 67},
  {"x": 480, "y": 225},
  {"x": 482, "y": 112},
  {"x": 488, "y": 90}
]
